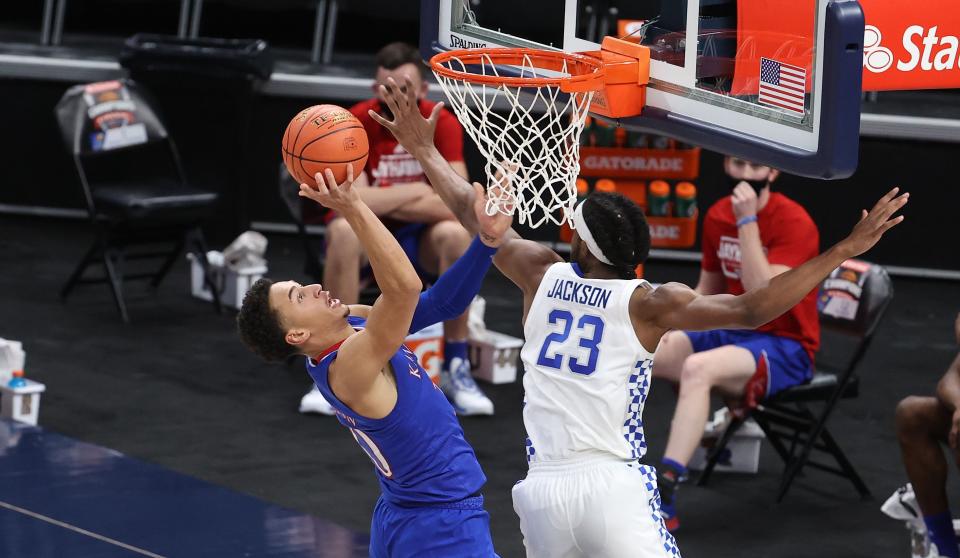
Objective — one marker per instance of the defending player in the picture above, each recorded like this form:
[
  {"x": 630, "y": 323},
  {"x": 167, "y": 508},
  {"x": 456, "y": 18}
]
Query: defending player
[
  {"x": 429, "y": 475},
  {"x": 591, "y": 328}
]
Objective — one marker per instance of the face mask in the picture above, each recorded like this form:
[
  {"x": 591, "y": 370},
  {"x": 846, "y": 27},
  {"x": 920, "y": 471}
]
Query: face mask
[{"x": 757, "y": 185}]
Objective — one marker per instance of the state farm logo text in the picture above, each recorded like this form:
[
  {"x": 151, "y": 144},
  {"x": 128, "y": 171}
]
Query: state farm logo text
[{"x": 925, "y": 49}]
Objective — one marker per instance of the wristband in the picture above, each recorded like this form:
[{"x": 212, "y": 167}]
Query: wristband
[{"x": 746, "y": 220}]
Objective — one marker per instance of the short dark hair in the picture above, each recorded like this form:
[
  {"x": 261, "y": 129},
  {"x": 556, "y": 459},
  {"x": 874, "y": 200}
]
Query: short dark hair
[
  {"x": 397, "y": 54},
  {"x": 259, "y": 324},
  {"x": 620, "y": 229}
]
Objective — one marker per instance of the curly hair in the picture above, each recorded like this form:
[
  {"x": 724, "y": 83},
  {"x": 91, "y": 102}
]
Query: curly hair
[
  {"x": 620, "y": 229},
  {"x": 259, "y": 324}
]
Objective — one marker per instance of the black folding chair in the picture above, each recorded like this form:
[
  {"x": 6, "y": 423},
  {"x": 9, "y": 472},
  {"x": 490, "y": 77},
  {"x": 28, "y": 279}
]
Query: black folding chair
[
  {"x": 133, "y": 183},
  {"x": 851, "y": 303}
]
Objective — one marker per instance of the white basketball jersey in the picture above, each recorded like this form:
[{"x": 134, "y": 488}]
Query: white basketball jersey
[{"x": 587, "y": 376}]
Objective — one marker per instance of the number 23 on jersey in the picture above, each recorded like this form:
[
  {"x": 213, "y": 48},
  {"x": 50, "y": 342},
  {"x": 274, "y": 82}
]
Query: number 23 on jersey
[{"x": 589, "y": 330}]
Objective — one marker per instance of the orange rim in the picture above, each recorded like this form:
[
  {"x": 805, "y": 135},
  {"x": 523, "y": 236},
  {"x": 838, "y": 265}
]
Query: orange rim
[{"x": 586, "y": 73}]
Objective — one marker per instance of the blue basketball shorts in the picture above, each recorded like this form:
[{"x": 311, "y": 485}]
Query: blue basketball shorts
[
  {"x": 787, "y": 363},
  {"x": 459, "y": 529}
]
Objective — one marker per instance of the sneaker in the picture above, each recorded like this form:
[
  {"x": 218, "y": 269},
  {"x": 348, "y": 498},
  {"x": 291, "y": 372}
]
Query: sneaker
[
  {"x": 314, "y": 402},
  {"x": 462, "y": 391},
  {"x": 670, "y": 519},
  {"x": 667, "y": 484}
]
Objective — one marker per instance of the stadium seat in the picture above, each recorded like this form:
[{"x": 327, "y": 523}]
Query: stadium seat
[
  {"x": 793, "y": 427},
  {"x": 136, "y": 193}
]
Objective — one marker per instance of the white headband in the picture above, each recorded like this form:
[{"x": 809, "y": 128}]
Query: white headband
[{"x": 580, "y": 225}]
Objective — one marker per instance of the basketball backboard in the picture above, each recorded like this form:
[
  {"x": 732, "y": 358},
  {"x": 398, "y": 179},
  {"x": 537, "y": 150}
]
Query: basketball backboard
[{"x": 772, "y": 81}]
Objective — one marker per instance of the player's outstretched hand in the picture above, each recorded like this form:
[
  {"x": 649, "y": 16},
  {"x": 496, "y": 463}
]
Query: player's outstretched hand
[
  {"x": 494, "y": 223},
  {"x": 338, "y": 197},
  {"x": 411, "y": 129},
  {"x": 874, "y": 223}
]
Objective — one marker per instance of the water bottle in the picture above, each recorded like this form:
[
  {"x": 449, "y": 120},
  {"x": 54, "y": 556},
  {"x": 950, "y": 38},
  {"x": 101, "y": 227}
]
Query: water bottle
[
  {"x": 686, "y": 200},
  {"x": 658, "y": 199},
  {"x": 17, "y": 380}
]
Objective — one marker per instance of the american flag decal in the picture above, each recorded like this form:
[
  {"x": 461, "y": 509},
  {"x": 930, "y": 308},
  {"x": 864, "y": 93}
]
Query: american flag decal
[{"x": 782, "y": 85}]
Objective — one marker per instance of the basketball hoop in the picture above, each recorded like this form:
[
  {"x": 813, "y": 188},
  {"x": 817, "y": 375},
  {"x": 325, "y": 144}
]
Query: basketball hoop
[{"x": 532, "y": 146}]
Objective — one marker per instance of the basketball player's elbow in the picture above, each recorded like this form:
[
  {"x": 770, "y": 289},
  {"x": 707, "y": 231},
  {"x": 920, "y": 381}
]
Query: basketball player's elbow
[
  {"x": 748, "y": 312},
  {"x": 403, "y": 284}
]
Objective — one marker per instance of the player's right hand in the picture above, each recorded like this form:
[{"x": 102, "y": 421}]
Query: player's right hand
[
  {"x": 411, "y": 129},
  {"x": 874, "y": 223},
  {"x": 338, "y": 197}
]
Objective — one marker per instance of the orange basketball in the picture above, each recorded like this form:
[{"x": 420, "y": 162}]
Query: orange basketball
[{"x": 321, "y": 137}]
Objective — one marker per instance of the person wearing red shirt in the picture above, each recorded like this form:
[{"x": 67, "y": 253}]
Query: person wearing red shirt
[
  {"x": 749, "y": 237},
  {"x": 394, "y": 186}
]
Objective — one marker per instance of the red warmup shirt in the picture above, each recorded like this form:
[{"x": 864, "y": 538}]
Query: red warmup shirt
[
  {"x": 390, "y": 164},
  {"x": 789, "y": 237}
]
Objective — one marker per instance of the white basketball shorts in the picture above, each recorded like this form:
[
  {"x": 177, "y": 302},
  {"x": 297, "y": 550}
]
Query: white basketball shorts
[{"x": 596, "y": 506}]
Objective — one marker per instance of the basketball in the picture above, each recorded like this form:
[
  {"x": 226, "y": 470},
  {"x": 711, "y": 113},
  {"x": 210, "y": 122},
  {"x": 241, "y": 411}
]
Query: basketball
[{"x": 321, "y": 137}]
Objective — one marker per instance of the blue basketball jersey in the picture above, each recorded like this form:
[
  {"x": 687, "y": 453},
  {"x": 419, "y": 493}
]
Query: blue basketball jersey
[{"x": 418, "y": 450}]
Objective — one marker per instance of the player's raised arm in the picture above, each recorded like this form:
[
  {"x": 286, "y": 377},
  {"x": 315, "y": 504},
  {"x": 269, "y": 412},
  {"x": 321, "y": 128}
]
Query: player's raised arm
[
  {"x": 522, "y": 261},
  {"x": 675, "y": 306},
  {"x": 365, "y": 354}
]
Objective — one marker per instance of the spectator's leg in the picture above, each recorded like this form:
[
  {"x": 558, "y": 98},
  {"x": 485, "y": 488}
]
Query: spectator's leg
[
  {"x": 668, "y": 361},
  {"x": 440, "y": 246},
  {"x": 922, "y": 424},
  {"x": 726, "y": 369},
  {"x": 344, "y": 256}
]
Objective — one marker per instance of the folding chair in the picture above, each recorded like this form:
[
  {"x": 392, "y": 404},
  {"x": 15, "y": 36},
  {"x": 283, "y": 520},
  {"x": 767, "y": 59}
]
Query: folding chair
[
  {"x": 133, "y": 183},
  {"x": 851, "y": 303}
]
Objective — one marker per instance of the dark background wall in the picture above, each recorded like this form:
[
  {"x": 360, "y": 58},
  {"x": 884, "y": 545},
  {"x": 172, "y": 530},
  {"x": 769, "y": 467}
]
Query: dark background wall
[
  {"x": 205, "y": 121},
  {"x": 37, "y": 171}
]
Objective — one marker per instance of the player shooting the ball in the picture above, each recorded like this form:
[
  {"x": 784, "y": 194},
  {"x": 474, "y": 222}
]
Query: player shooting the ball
[{"x": 429, "y": 475}]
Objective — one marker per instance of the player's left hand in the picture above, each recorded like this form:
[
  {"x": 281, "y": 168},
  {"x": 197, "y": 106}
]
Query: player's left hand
[
  {"x": 492, "y": 228},
  {"x": 411, "y": 129},
  {"x": 745, "y": 201},
  {"x": 338, "y": 197},
  {"x": 874, "y": 223}
]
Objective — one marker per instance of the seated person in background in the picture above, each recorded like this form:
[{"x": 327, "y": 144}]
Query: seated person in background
[
  {"x": 430, "y": 504},
  {"x": 426, "y": 229},
  {"x": 749, "y": 237},
  {"x": 923, "y": 423}
]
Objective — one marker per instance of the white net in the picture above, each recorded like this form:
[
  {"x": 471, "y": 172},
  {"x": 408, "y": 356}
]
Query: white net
[{"x": 529, "y": 135}]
